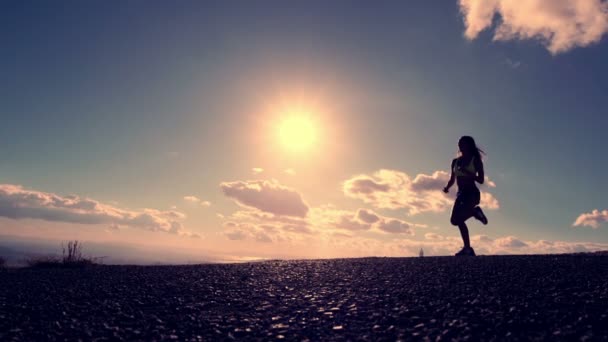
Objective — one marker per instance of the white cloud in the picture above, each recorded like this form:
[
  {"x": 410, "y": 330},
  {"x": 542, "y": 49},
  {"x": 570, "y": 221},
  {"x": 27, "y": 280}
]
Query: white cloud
[
  {"x": 489, "y": 182},
  {"x": 192, "y": 199},
  {"x": 257, "y": 170},
  {"x": 592, "y": 219},
  {"x": 391, "y": 189},
  {"x": 267, "y": 196},
  {"x": 291, "y": 172},
  {"x": 19, "y": 203},
  {"x": 510, "y": 242},
  {"x": 560, "y": 25}
]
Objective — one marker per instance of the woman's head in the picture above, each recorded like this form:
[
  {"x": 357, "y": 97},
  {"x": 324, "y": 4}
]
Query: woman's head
[{"x": 467, "y": 147}]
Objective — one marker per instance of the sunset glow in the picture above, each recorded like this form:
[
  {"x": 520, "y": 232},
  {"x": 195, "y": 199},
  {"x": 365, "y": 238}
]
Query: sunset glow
[{"x": 297, "y": 133}]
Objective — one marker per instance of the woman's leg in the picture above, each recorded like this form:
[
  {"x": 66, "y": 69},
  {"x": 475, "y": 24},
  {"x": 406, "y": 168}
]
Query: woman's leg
[
  {"x": 464, "y": 232},
  {"x": 462, "y": 211}
]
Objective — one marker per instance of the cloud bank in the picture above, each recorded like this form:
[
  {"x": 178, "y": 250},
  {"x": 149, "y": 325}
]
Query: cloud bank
[
  {"x": 391, "y": 189},
  {"x": 436, "y": 244},
  {"x": 19, "y": 203},
  {"x": 560, "y": 25}
]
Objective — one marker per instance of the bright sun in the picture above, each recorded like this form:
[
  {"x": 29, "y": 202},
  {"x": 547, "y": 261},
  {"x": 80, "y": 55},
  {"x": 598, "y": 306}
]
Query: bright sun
[{"x": 297, "y": 132}]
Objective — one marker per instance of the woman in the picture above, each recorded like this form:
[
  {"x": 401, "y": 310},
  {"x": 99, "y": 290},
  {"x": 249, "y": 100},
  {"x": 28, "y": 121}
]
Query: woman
[{"x": 466, "y": 170}]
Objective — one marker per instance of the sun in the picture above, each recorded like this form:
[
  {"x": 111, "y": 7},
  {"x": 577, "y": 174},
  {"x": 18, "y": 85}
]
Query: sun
[{"x": 297, "y": 132}]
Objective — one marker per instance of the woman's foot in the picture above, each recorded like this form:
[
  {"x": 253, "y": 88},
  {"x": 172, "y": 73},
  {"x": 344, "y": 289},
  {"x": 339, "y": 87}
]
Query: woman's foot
[
  {"x": 466, "y": 251},
  {"x": 478, "y": 214}
]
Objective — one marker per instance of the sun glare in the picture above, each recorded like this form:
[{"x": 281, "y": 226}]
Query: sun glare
[{"x": 297, "y": 132}]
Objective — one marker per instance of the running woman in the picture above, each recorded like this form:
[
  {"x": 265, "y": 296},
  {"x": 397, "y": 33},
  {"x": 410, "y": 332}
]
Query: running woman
[{"x": 466, "y": 170}]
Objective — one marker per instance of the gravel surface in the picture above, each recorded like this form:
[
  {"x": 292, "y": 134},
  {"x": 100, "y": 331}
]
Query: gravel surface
[{"x": 432, "y": 298}]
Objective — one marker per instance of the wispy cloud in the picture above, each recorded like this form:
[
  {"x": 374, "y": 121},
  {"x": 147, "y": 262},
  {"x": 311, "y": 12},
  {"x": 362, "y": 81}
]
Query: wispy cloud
[
  {"x": 393, "y": 189},
  {"x": 194, "y": 199},
  {"x": 592, "y": 219},
  {"x": 267, "y": 196},
  {"x": 19, "y": 203},
  {"x": 512, "y": 64},
  {"x": 257, "y": 170},
  {"x": 560, "y": 25}
]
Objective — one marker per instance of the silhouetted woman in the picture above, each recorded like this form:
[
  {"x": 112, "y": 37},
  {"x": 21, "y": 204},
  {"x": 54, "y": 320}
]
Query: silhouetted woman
[{"x": 466, "y": 170}]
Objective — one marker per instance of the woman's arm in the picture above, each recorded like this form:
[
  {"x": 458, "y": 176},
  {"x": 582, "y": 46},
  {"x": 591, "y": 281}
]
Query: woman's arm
[
  {"x": 480, "y": 177},
  {"x": 452, "y": 178}
]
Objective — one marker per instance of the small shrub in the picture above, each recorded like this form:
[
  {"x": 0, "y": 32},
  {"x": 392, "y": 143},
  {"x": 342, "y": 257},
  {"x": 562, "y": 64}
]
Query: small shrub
[{"x": 71, "y": 258}]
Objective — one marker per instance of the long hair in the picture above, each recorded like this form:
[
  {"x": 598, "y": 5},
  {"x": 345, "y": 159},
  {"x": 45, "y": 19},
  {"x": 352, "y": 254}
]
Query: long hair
[{"x": 470, "y": 144}]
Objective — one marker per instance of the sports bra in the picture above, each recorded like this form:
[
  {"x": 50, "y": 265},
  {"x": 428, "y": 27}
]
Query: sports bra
[{"x": 470, "y": 168}]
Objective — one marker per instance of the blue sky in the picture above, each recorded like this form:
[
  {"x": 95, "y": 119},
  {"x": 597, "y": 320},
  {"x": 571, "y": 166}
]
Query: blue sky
[{"x": 136, "y": 105}]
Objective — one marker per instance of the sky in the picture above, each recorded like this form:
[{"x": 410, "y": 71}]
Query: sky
[{"x": 229, "y": 131}]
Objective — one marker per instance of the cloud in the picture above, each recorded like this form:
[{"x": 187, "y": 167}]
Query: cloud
[
  {"x": 512, "y": 64},
  {"x": 394, "y": 226},
  {"x": 560, "y": 25},
  {"x": 235, "y": 232},
  {"x": 267, "y": 196},
  {"x": 436, "y": 244},
  {"x": 482, "y": 238},
  {"x": 194, "y": 199},
  {"x": 340, "y": 233},
  {"x": 489, "y": 182},
  {"x": 257, "y": 170},
  {"x": 264, "y": 233},
  {"x": 510, "y": 242},
  {"x": 592, "y": 219},
  {"x": 19, "y": 203},
  {"x": 329, "y": 219},
  {"x": 350, "y": 222},
  {"x": 433, "y": 236},
  {"x": 391, "y": 189},
  {"x": 322, "y": 223},
  {"x": 291, "y": 172},
  {"x": 484, "y": 244},
  {"x": 367, "y": 216},
  {"x": 263, "y": 217}
]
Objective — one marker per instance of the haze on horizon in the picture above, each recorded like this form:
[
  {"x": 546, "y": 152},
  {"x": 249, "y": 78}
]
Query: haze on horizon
[{"x": 222, "y": 132}]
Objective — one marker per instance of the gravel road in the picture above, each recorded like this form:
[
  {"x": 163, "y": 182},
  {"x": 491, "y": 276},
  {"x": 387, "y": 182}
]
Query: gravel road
[{"x": 560, "y": 297}]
